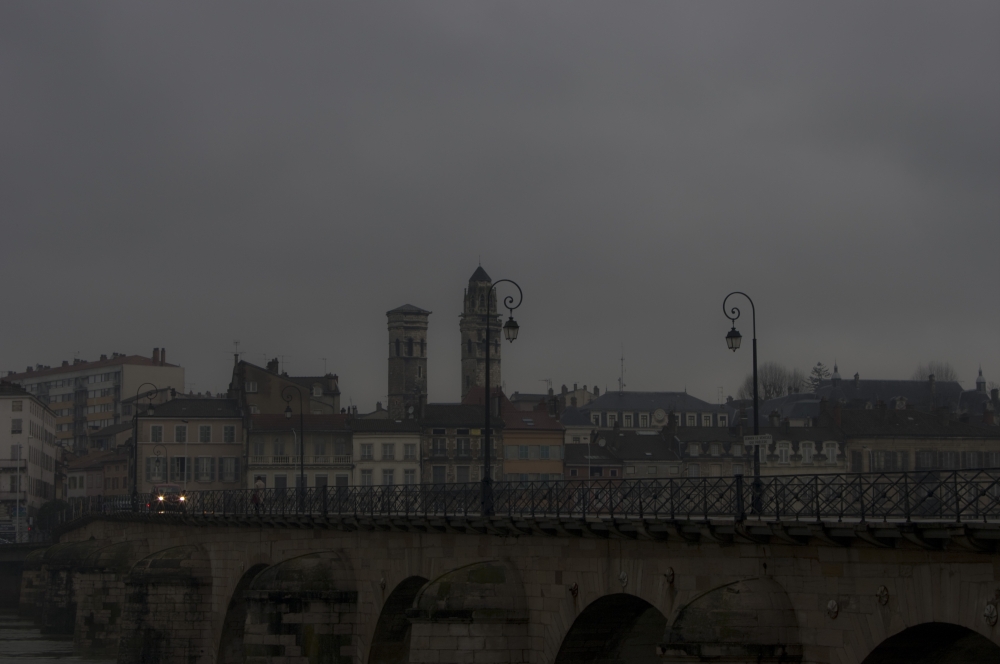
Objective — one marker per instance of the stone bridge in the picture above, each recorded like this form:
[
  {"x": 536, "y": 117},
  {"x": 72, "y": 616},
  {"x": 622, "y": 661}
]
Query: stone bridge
[{"x": 305, "y": 586}]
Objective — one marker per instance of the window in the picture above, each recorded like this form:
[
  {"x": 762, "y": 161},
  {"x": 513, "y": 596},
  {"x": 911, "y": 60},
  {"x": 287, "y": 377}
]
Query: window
[
  {"x": 438, "y": 473},
  {"x": 204, "y": 469},
  {"x": 576, "y": 439},
  {"x": 693, "y": 449},
  {"x": 463, "y": 448},
  {"x": 628, "y": 420},
  {"x": 278, "y": 447},
  {"x": 254, "y": 410},
  {"x": 614, "y": 472},
  {"x": 612, "y": 418},
  {"x": 462, "y": 474},
  {"x": 830, "y": 450},
  {"x": 156, "y": 433},
  {"x": 409, "y": 452},
  {"x": 762, "y": 454},
  {"x": 420, "y": 371},
  {"x": 650, "y": 470},
  {"x": 706, "y": 420},
  {"x": 322, "y": 480},
  {"x": 227, "y": 469},
  {"x": 388, "y": 476},
  {"x": 572, "y": 472},
  {"x": 388, "y": 451},
  {"x": 317, "y": 390},
  {"x": 723, "y": 420},
  {"x": 693, "y": 470},
  {"x": 367, "y": 453},
  {"x": 319, "y": 448},
  {"x": 644, "y": 420},
  {"x": 205, "y": 433},
  {"x": 409, "y": 347},
  {"x": 180, "y": 433},
  {"x": 596, "y": 418},
  {"x": 16, "y": 406},
  {"x": 806, "y": 449},
  {"x": 15, "y": 426},
  {"x": 713, "y": 449},
  {"x": 737, "y": 469},
  {"x": 522, "y": 452},
  {"x": 409, "y": 476},
  {"x": 596, "y": 471},
  {"x": 439, "y": 447},
  {"x": 783, "y": 452},
  {"x": 281, "y": 481},
  {"x": 692, "y": 420},
  {"x": 250, "y": 386},
  {"x": 630, "y": 470},
  {"x": 543, "y": 452},
  {"x": 366, "y": 477},
  {"x": 180, "y": 470},
  {"x": 229, "y": 434},
  {"x": 258, "y": 448},
  {"x": 737, "y": 450}
]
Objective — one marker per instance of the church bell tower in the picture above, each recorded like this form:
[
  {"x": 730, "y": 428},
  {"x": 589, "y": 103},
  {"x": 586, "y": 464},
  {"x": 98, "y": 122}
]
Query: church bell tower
[
  {"x": 480, "y": 304},
  {"x": 407, "y": 361}
]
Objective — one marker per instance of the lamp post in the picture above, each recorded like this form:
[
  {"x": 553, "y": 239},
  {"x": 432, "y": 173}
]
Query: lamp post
[
  {"x": 733, "y": 342},
  {"x": 150, "y": 395},
  {"x": 302, "y": 438},
  {"x": 510, "y": 329}
]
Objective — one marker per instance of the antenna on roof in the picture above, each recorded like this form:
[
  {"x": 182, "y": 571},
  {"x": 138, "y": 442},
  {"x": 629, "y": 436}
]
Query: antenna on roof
[
  {"x": 621, "y": 379},
  {"x": 324, "y": 365},
  {"x": 236, "y": 345},
  {"x": 282, "y": 370},
  {"x": 547, "y": 381}
]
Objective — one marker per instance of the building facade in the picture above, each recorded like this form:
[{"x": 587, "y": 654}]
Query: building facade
[
  {"x": 451, "y": 444},
  {"x": 196, "y": 443},
  {"x": 651, "y": 410},
  {"x": 533, "y": 443},
  {"x": 28, "y": 459},
  {"x": 386, "y": 452},
  {"x": 263, "y": 390},
  {"x": 87, "y": 396},
  {"x": 276, "y": 446}
]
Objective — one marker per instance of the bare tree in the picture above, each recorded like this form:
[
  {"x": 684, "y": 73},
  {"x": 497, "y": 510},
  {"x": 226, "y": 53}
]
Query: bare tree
[
  {"x": 941, "y": 371},
  {"x": 773, "y": 380}
]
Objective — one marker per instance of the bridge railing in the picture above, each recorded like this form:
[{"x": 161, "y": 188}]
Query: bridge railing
[{"x": 950, "y": 496}]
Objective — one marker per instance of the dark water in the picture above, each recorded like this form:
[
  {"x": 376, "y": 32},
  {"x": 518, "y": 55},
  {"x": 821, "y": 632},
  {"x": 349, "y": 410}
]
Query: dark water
[{"x": 22, "y": 643}]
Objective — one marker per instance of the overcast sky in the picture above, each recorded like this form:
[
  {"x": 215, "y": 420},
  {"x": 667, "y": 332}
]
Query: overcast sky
[{"x": 189, "y": 174}]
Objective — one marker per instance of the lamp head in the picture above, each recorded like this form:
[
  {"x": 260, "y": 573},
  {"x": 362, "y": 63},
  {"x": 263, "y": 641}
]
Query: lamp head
[
  {"x": 288, "y": 412},
  {"x": 733, "y": 339},
  {"x": 510, "y": 329}
]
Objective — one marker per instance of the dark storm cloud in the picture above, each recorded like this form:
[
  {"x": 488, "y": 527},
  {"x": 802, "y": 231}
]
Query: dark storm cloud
[{"x": 184, "y": 175}]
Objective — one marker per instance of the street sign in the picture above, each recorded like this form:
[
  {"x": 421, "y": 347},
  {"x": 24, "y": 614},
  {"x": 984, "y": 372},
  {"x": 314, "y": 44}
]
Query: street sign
[{"x": 763, "y": 439}]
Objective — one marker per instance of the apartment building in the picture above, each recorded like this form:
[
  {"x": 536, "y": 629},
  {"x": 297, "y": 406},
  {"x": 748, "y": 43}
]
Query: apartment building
[
  {"x": 196, "y": 443},
  {"x": 386, "y": 452},
  {"x": 451, "y": 443},
  {"x": 86, "y": 396},
  {"x": 28, "y": 458},
  {"x": 279, "y": 452},
  {"x": 265, "y": 390},
  {"x": 532, "y": 443}
]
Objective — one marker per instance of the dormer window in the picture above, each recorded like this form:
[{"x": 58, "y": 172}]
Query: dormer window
[
  {"x": 317, "y": 390},
  {"x": 692, "y": 420},
  {"x": 628, "y": 420},
  {"x": 722, "y": 420},
  {"x": 644, "y": 420},
  {"x": 596, "y": 419}
]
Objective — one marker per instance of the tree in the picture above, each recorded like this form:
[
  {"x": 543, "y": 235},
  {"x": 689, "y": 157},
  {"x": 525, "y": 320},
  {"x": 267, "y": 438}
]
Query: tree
[
  {"x": 773, "y": 380},
  {"x": 941, "y": 371},
  {"x": 818, "y": 374}
]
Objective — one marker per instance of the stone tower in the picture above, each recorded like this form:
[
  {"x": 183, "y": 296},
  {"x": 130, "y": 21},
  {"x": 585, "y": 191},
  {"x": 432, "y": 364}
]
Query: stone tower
[
  {"x": 472, "y": 324},
  {"x": 407, "y": 361}
]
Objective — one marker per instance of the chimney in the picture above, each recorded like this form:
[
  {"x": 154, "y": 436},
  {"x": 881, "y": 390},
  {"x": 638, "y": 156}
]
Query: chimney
[
  {"x": 857, "y": 381},
  {"x": 163, "y": 356},
  {"x": 551, "y": 392},
  {"x": 156, "y": 356},
  {"x": 103, "y": 356},
  {"x": 30, "y": 369},
  {"x": 65, "y": 363},
  {"x": 597, "y": 391},
  {"x": 574, "y": 387},
  {"x": 774, "y": 417},
  {"x": 272, "y": 365},
  {"x": 378, "y": 406},
  {"x": 564, "y": 389}
]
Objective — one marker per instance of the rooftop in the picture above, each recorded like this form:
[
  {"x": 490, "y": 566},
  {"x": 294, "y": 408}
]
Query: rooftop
[
  {"x": 648, "y": 401},
  {"x": 197, "y": 408},
  {"x": 84, "y": 365},
  {"x": 408, "y": 309}
]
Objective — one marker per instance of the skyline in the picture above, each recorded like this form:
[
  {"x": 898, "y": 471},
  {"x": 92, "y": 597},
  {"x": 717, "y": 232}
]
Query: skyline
[{"x": 185, "y": 175}]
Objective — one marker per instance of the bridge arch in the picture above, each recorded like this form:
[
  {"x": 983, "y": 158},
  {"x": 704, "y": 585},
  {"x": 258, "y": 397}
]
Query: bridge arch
[
  {"x": 614, "y": 628},
  {"x": 749, "y": 620},
  {"x": 935, "y": 643},
  {"x": 391, "y": 641},
  {"x": 302, "y": 607},
  {"x": 231, "y": 650}
]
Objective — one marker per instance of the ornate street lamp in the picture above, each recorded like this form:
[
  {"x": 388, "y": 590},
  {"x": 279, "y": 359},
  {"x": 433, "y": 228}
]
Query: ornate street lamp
[
  {"x": 733, "y": 342},
  {"x": 150, "y": 411},
  {"x": 302, "y": 439},
  {"x": 510, "y": 329}
]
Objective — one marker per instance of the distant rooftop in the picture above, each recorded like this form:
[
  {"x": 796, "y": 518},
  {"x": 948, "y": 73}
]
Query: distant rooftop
[{"x": 82, "y": 365}]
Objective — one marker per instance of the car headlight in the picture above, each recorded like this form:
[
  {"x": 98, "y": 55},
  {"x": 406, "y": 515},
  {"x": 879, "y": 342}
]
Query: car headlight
[
  {"x": 160, "y": 499},
  {"x": 182, "y": 499}
]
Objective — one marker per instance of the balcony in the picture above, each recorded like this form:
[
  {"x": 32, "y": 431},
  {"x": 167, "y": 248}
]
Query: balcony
[{"x": 290, "y": 460}]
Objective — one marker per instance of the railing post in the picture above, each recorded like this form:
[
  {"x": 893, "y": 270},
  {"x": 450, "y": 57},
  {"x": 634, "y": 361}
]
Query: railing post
[
  {"x": 958, "y": 501},
  {"x": 740, "y": 514},
  {"x": 861, "y": 489},
  {"x": 906, "y": 494}
]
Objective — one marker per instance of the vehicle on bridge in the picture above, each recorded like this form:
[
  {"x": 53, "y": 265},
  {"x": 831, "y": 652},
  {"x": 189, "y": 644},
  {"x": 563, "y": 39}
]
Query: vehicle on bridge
[{"x": 167, "y": 498}]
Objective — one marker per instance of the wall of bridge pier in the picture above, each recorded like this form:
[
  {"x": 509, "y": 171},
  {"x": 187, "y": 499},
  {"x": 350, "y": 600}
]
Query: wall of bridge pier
[{"x": 318, "y": 590}]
